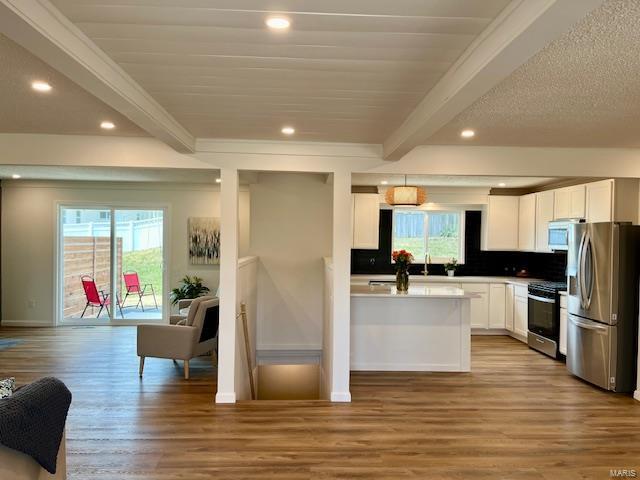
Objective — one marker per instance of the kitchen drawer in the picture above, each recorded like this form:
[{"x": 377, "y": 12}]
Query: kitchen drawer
[
  {"x": 520, "y": 291},
  {"x": 476, "y": 287}
]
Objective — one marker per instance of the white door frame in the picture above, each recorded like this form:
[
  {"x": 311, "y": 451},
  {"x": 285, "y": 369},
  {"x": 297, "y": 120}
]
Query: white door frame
[{"x": 58, "y": 264}]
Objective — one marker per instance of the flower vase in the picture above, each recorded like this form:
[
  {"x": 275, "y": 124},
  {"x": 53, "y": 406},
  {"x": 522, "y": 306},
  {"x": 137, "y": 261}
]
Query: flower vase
[
  {"x": 451, "y": 273},
  {"x": 402, "y": 280}
]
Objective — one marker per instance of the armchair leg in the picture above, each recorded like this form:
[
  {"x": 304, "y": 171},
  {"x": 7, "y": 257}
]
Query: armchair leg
[
  {"x": 141, "y": 365},
  {"x": 186, "y": 369}
]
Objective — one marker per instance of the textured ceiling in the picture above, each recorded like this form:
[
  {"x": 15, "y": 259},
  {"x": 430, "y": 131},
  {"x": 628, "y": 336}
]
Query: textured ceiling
[
  {"x": 346, "y": 71},
  {"x": 582, "y": 90},
  {"x": 370, "y": 179},
  {"x": 67, "y": 109}
]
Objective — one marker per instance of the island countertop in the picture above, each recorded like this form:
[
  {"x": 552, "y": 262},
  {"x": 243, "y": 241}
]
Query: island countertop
[{"x": 415, "y": 291}]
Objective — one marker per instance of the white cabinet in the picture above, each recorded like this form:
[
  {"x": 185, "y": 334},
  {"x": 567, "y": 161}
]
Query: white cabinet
[
  {"x": 563, "y": 331},
  {"x": 497, "y": 312},
  {"x": 500, "y": 223},
  {"x": 569, "y": 202},
  {"x": 366, "y": 220},
  {"x": 563, "y": 324},
  {"x": 599, "y": 198},
  {"x": 577, "y": 201},
  {"x": 509, "y": 300},
  {"x": 480, "y": 305},
  {"x": 544, "y": 214},
  {"x": 520, "y": 315},
  {"x": 527, "y": 222}
]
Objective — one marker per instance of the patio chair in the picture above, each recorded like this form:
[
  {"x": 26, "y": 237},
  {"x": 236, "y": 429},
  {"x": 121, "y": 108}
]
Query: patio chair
[
  {"x": 96, "y": 298},
  {"x": 132, "y": 284}
]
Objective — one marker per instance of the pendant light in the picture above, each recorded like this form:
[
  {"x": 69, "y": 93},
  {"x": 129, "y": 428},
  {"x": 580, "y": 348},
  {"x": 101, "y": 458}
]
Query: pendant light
[{"x": 406, "y": 196}]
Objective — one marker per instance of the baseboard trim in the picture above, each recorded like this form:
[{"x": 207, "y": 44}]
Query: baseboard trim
[
  {"x": 341, "y": 397},
  {"x": 288, "y": 357},
  {"x": 636, "y": 395},
  {"x": 489, "y": 331},
  {"x": 407, "y": 367},
  {"x": 226, "y": 397},
  {"x": 25, "y": 323}
]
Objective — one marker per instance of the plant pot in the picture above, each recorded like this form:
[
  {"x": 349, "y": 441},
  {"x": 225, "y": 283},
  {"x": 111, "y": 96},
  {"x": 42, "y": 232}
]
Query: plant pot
[
  {"x": 451, "y": 273},
  {"x": 402, "y": 280}
]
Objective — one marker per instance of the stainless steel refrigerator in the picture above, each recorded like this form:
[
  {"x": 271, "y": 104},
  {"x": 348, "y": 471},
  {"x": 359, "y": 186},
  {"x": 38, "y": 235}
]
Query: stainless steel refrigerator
[{"x": 602, "y": 303}]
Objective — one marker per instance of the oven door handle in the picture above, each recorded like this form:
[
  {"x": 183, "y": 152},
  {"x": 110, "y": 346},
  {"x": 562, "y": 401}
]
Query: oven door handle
[{"x": 541, "y": 299}]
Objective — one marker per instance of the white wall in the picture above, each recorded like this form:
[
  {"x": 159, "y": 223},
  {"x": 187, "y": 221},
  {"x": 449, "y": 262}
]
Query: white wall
[
  {"x": 291, "y": 228},
  {"x": 246, "y": 293},
  {"x": 29, "y": 224}
]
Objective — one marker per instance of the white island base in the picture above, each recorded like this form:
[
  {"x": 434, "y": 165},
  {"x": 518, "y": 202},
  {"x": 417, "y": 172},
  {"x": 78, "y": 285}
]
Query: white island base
[{"x": 426, "y": 329}]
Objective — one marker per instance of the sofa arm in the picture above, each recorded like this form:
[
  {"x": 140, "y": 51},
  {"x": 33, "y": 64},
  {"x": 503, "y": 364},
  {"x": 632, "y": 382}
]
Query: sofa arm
[{"x": 166, "y": 341}]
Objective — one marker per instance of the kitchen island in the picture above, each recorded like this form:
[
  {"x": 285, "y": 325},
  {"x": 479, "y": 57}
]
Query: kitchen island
[{"x": 425, "y": 329}]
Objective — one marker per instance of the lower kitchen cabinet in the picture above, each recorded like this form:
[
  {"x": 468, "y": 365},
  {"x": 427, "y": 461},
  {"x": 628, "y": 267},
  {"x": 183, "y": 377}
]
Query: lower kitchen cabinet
[
  {"x": 480, "y": 305},
  {"x": 508, "y": 307},
  {"x": 564, "y": 316},
  {"x": 497, "y": 309},
  {"x": 520, "y": 315}
]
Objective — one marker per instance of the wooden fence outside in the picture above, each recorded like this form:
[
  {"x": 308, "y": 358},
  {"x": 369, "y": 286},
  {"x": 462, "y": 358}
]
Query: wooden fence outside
[{"x": 87, "y": 256}]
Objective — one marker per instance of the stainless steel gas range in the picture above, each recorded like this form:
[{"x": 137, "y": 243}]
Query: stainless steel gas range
[{"x": 544, "y": 317}]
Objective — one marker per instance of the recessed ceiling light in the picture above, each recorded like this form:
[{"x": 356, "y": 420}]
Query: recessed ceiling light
[
  {"x": 16, "y": 176},
  {"x": 107, "y": 125},
  {"x": 467, "y": 133},
  {"x": 278, "y": 23},
  {"x": 288, "y": 130},
  {"x": 218, "y": 180},
  {"x": 41, "y": 86},
  {"x": 384, "y": 182},
  {"x": 502, "y": 184}
]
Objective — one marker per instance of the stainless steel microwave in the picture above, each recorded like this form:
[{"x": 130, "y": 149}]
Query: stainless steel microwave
[{"x": 558, "y": 233}]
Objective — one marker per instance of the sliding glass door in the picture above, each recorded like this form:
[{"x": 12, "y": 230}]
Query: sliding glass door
[{"x": 111, "y": 264}]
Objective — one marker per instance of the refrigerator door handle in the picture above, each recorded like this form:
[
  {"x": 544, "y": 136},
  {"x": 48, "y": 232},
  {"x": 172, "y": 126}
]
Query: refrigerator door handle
[
  {"x": 588, "y": 257},
  {"x": 579, "y": 276},
  {"x": 587, "y": 326}
]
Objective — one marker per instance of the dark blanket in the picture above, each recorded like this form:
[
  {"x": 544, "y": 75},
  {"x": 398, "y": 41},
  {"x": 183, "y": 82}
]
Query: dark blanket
[{"x": 32, "y": 420}]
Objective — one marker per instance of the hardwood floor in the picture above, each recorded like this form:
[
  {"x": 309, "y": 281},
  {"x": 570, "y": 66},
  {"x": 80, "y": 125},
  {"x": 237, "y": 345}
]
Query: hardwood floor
[{"x": 518, "y": 415}]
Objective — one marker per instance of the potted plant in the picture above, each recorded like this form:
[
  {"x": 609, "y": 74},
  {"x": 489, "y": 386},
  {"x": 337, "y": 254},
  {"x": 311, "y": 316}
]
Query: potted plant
[
  {"x": 190, "y": 287},
  {"x": 402, "y": 259},
  {"x": 451, "y": 266}
]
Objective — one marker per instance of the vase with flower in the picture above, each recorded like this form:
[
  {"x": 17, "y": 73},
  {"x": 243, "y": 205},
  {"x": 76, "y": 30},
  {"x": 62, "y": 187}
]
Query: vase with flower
[{"x": 402, "y": 259}]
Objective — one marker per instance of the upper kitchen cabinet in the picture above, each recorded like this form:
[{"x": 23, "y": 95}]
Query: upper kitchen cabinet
[
  {"x": 500, "y": 223},
  {"x": 599, "y": 197},
  {"x": 527, "y": 223},
  {"x": 544, "y": 214},
  {"x": 365, "y": 220},
  {"x": 570, "y": 202}
]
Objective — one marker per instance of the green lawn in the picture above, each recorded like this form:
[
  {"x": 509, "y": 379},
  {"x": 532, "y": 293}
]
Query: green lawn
[
  {"x": 148, "y": 264},
  {"x": 446, "y": 247}
]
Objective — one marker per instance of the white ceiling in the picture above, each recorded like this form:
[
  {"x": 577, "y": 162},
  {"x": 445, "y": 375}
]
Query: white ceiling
[
  {"x": 67, "y": 109},
  {"x": 371, "y": 179},
  {"x": 582, "y": 90},
  {"x": 346, "y": 71}
]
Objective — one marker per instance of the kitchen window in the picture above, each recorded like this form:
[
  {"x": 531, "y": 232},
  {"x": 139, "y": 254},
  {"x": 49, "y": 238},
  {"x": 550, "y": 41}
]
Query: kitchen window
[{"x": 439, "y": 233}]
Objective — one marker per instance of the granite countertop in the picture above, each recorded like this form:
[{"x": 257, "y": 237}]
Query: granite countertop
[
  {"x": 418, "y": 279},
  {"x": 415, "y": 291}
]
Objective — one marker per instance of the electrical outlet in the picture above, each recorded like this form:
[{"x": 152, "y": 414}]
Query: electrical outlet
[{"x": 31, "y": 303}]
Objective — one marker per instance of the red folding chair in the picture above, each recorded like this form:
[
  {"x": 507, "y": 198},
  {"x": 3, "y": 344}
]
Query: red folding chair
[
  {"x": 132, "y": 284},
  {"x": 96, "y": 298}
]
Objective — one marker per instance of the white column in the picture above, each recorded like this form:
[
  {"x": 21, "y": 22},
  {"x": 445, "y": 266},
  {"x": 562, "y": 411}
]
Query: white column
[
  {"x": 341, "y": 285},
  {"x": 228, "y": 283}
]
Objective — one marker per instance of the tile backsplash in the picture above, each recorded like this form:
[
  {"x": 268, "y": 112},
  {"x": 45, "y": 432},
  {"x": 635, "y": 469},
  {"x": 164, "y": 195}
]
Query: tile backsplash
[{"x": 549, "y": 266}]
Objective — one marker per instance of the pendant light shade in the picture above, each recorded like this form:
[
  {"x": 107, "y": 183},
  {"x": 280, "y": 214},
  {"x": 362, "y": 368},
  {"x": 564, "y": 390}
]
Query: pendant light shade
[{"x": 406, "y": 196}]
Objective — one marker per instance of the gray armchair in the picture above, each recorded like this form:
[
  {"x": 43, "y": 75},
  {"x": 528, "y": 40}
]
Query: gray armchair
[{"x": 197, "y": 336}]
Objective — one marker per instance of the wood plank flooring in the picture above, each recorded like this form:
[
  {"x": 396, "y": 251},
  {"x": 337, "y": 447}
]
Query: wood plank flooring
[{"x": 517, "y": 415}]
